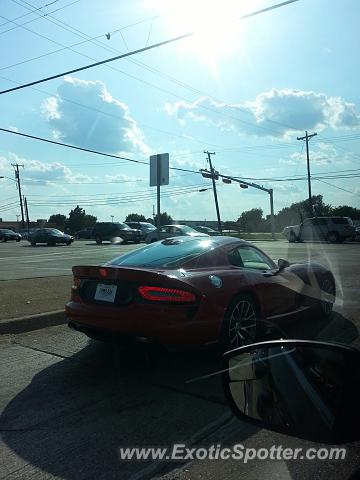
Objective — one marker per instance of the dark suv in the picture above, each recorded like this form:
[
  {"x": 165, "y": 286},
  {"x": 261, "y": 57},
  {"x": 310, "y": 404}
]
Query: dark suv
[
  {"x": 332, "y": 229},
  {"x": 115, "y": 232},
  {"x": 144, "y": 227}
]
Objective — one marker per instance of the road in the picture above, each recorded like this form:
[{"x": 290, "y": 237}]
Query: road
[
  {"x": 21, "y": 260},
  {"x": 68, "y": 404}
]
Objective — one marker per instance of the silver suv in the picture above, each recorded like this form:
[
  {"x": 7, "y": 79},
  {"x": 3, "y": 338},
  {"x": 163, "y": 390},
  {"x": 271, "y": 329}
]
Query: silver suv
[{"x": 331, "y": 229}]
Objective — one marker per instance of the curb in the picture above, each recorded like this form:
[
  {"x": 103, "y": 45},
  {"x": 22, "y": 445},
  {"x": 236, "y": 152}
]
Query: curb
[{"x": 32, "y": 322}]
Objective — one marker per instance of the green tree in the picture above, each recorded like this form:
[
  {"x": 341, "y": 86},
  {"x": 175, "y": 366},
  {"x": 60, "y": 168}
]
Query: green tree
[
  {"x": 78, "y": 219},
  {"x": 165, "y": 219},
  {"x": 59, "y": 220},
  {"x": 135, "y": 217},
  {"x": 298, "y": 211},
  {"x": 346, "y": 211},
  {"x": 251, "y": 220}
]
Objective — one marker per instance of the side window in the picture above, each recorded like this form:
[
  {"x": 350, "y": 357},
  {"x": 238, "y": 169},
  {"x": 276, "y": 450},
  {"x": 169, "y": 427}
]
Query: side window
[
  {"x": 163, "y": 230},
  {"x": 322, "y": 221},
  {"x": 235, "y": 258},
  {"x": 249, "y": 257},
  {"x": 306, "y": 223}
]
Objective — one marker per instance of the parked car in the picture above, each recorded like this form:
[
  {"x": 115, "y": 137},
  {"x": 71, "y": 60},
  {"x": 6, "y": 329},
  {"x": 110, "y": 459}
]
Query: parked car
[
  {"x": 356, "y": 237},
  {"x": 25, "y": 233},
  {"x": 168, "y": 231},
  {"x": 331, "y": 229},
  {"x": 6, "y": 235},
  {"x": 51, "y": 236},
  {"x": 144, "y": 227},
  {"x": 86, "y": 233},
  {"x": 115, "y": 232},
  {"x": 207, "y": 230},
  {"x": 191, "y": 291}
]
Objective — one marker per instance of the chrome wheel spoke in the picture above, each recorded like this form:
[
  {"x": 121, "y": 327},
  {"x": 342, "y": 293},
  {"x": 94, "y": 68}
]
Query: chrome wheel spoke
[{"x": 242, "y": 324}]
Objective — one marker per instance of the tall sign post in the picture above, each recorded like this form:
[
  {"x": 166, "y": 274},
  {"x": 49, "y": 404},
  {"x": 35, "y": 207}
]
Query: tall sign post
[{"x": 159, "y": 175}]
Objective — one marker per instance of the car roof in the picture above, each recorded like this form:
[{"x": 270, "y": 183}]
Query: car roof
[{"x": 218, "y": 240}]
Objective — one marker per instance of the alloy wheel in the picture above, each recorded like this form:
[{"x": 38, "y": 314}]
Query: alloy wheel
[{"x": 242, "y": 324}]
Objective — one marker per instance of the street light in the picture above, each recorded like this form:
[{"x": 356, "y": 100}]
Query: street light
[{"x": 112, "y": 218}]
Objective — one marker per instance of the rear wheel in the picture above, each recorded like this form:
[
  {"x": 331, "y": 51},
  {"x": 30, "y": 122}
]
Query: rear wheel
[
  {"x": 33, "y": 244},
  {"x": 98, "y": 239},
  {"x": 18, "y": 239},
  {"x": 240, "y": 322},
  {"x": 292, "y": 237},
  {"x": 333, "y": 237}
]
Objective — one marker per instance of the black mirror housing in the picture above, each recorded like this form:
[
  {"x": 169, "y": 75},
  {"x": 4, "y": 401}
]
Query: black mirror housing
[
  {"x": 282, "y": 264},
  {"x": 301, "y": 388}
]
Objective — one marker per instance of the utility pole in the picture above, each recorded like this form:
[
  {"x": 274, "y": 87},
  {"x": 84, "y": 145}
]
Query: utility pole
[
  {"x": 27, "y": 214},
  {"x": 17, "y": 176},
  {"x": 306, "y": 138},
  {"x": 212, "y": 170}
]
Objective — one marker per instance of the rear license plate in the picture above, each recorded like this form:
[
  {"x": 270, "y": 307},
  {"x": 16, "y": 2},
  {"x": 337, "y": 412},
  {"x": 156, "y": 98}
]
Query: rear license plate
[{"x": 105, "y": 293}]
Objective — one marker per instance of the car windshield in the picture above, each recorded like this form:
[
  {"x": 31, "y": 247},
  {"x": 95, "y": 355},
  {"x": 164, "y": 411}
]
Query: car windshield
[
  {"x": 164, "y": 254},
  {"x": 55, "y": 231},
  {"x": 6, "y": 230},
  {"x": 186, "y": 229},
  {"x": 122, "y": 226}
]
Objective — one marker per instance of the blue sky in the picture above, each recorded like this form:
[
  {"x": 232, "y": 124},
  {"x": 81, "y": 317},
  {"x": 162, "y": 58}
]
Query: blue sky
[{"x": 244, "y": 89}]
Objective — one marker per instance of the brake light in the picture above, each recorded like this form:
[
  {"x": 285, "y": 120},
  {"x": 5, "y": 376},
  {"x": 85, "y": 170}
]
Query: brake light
[
  {"x": 161, "y": 294},
  {"x": 75, "y": 289}
]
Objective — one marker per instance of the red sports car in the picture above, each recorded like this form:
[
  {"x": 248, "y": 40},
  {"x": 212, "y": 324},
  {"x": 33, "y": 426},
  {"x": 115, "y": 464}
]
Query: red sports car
[{"x": 193, "y": 291}]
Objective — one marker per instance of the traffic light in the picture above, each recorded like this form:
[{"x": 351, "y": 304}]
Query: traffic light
[
  {"x": 243, "y": 185},
  {"x": 226, "y": 180},
  {"x": 207, "y": 174}
]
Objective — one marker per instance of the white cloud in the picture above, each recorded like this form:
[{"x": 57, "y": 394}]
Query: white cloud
[
  {"x": 273, "y": 113},
  {"x": 106, "y": 125},
  {"x": 321, "y": 154},
  {"x": 39, "y": 173}
]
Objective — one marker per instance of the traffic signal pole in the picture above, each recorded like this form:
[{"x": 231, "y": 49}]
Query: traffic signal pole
[
  {"x": 212, "y": 171},
  {"x": 243, "y": 183},
  {"x": 17, "y": 176},
  {"x": 306, "y": 138}
]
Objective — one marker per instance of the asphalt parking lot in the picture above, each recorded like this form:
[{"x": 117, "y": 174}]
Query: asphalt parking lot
[
  {"x": 21, "y": 260},
  {"x": 68, "y": 403}
]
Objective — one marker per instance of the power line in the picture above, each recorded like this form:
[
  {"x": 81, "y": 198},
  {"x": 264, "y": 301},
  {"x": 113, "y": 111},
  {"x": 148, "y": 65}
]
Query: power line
[
  {"x": 339, "y": 188},
  {"x": 33, "y": 11},
  {"x": 46, "y": 140},
  {"x": 137, "y": 51}
]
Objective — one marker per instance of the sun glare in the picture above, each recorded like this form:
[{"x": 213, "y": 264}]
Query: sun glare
[{"x": 215, "y": 32}]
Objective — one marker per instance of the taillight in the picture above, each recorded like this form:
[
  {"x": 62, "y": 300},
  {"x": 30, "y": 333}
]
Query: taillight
[
  {"x": 76, "y": 285},
  {"x": 161, "y": 294}
]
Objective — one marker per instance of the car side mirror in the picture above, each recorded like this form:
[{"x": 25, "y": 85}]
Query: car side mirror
[
  {"x": 282, "y": 264},
  {"x": 301, "y": 388}
]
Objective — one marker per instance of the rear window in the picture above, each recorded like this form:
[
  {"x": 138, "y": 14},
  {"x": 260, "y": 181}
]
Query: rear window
[
  {"x": 342, "y": 220},
  {"x": 165, "y": 254}
]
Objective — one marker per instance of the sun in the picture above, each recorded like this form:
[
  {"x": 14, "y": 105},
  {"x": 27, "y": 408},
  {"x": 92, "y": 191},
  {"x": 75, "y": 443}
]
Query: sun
[{"x": 212, "y": 21}]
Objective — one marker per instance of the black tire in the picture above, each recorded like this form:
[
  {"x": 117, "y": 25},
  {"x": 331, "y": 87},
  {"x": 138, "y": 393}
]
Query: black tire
[
  {"x": 333, "y": 237},
  {"x": 240, "y": 323},
  {"x": 327, "y": 287},
  {"x": 18, "y": 240},
  {"x": 153, "y": 240},
  {"x": 98, "y": 239},
  {"x": 292, "y": 237},
  {"x": 68, "y": 243},
  {"x": 33, "y": 244},
  {"x": 137, "y": 240}
]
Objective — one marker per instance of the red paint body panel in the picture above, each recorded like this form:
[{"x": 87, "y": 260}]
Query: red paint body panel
[{"x": 190, "y": 324}]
